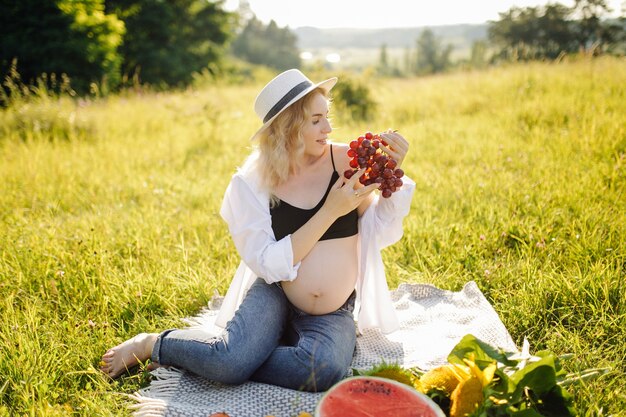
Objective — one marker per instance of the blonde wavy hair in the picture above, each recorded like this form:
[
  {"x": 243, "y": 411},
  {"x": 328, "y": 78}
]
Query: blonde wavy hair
[{"x": 281, "y": 144}]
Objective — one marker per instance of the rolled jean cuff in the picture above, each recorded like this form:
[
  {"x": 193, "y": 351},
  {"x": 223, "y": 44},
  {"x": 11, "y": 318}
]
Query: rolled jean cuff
[{"x": 156, "y": 350}]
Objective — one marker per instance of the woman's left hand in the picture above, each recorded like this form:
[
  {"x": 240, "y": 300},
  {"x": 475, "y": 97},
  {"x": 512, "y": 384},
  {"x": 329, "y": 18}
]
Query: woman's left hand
[{"x": 397, "y": 146}]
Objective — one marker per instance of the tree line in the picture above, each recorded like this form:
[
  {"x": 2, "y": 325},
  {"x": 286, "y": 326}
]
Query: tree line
[
  {"x": 106, "y": 44},
  {"x": 530, "y": 33}
]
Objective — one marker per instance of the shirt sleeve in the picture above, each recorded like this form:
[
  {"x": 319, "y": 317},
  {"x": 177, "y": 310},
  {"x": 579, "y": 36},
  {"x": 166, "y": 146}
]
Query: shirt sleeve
[
  {"x": 380, "y": 226},
  {"x": 250, "y": 225},
  {"x": 389, "y": 212}
]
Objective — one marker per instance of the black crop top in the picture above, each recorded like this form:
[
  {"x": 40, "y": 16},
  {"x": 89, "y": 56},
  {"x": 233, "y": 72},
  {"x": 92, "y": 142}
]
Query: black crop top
[{"x": 286, "y": 219}]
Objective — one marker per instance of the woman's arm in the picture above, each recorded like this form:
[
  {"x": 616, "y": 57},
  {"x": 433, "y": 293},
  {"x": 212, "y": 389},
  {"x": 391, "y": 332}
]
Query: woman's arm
[{"x": 245, "y": 209}]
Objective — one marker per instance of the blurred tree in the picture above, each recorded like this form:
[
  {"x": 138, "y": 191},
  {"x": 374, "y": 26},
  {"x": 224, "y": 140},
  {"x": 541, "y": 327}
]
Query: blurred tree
[
  {"x": 592, "y": 32},
  {"x": 383, "y": 61},
  {"x": 478, "y": 55},
  {"x": 268, "y": 45},
  {"x": 61, "y": 37},
  {"x": 352, "y": 98},
  {"x": 548, "y": 31},
  {"x": 408, "y": 61},
  {"x": 167, "y": 41},
  {"x": 516, "y": 33},
  {"x": 431, "y": 56},
  {"x": 554, "y": 31}
]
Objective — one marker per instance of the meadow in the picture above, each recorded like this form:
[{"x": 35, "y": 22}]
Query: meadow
[{"x": 110, "y": 226}]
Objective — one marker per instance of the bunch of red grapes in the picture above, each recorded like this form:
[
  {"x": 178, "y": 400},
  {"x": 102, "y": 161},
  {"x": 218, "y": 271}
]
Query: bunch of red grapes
[{"x": 381, "y": 168}]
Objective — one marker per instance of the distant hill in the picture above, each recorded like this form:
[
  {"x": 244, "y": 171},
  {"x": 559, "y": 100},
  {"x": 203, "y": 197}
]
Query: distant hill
[
  {"x": 360, "y": 47},
  {"x": 462, "y": 35}
]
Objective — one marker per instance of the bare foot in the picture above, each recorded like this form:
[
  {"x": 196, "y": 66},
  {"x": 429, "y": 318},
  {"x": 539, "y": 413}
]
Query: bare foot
[{"x": 128, "y": 354}]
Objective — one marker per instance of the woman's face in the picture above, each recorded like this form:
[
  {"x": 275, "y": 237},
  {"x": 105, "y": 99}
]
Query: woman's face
[{"x": 317, "y": 127}]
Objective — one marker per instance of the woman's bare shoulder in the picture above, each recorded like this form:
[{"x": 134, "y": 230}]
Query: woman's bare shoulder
[{"x": 340, "y": 153}]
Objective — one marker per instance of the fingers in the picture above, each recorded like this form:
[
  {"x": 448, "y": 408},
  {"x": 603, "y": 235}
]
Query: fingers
[
  {"x": 397, "y": 146},
  {"x": 352, "y": 181},
  {"x": 365, "y": 191},
  {"x": 396, "y": 142}
]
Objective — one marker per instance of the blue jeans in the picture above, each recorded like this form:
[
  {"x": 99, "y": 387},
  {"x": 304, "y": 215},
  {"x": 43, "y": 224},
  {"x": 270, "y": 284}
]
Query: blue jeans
[{"x": 268, "y": 340}]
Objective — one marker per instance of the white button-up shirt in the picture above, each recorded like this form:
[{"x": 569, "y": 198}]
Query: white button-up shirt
[{"x": 245, "y": 209}]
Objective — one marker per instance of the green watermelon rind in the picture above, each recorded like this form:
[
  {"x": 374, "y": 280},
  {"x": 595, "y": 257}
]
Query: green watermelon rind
[{"x": 424, "y": 399}]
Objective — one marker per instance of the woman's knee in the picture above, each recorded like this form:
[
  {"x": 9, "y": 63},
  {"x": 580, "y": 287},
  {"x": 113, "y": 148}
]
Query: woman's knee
[{"x": 327, "y": 369}]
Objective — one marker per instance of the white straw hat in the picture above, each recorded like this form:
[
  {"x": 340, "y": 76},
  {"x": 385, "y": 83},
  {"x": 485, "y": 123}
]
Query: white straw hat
[{"x": 284, "y": 90}]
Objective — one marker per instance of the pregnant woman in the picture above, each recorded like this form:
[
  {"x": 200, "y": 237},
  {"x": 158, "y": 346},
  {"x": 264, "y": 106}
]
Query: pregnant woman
[{"x": 309, "y": 242}]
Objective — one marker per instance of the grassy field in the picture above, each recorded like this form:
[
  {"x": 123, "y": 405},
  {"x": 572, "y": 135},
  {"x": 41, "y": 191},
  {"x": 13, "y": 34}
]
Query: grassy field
[{"x": 109, "y": 221}]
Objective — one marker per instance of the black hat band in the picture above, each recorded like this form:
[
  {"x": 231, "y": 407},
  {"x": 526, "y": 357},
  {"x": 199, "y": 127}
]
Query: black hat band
[{"x": 286, "y": 99}]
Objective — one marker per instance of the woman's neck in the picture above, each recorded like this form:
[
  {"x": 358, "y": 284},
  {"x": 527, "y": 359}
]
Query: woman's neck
[{"x": 311, "y": 161}]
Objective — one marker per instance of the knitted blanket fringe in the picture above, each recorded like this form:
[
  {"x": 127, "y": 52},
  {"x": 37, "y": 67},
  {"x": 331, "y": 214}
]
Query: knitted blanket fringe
[{"x": 152, "y": 401}]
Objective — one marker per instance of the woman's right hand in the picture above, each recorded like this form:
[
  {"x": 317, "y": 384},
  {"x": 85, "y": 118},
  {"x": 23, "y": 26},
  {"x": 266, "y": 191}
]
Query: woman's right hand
[{"x": 346, "y": 194}]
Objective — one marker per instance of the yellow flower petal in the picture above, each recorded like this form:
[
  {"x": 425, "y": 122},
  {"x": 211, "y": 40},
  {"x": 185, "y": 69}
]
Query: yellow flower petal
[{"x": 466, "y": 397}]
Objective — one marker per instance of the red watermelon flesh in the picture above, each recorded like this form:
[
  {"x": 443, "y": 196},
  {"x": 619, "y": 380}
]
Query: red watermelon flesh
[{"x": 367, "y": 396}]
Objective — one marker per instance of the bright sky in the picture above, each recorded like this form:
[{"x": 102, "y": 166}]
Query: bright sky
[{"x": 387, "y": 13}]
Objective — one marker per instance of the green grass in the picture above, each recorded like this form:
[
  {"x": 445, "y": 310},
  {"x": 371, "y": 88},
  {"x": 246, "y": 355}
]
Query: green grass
[{"x": 109, "y": 218}]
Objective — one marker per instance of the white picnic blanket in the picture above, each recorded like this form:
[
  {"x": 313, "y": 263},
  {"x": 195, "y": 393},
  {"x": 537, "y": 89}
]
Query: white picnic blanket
[{"x": 432, "y": 322}]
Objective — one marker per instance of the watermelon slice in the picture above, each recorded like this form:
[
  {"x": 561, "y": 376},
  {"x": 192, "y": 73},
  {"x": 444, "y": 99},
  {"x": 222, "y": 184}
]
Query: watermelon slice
[{"x": 368, "y": 396}]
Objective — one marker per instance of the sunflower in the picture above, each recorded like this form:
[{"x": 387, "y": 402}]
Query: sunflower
[
  {"x": 444, "y": 378},
  {"x": 468, "y": 395}
]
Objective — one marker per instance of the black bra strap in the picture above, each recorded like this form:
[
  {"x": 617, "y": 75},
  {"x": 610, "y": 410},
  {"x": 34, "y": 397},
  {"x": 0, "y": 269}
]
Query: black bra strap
[{"x": 331, "y": 157}]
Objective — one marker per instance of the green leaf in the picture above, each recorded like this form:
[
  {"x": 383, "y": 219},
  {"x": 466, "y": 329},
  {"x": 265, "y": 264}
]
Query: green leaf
[
  {"x": 484, "y": 353},
  {"x": 557, "y": 403},
  {"x": 540, "y": 377},
  {"x": 557, "y": 361},
  {"x": 501, "y": 384}
]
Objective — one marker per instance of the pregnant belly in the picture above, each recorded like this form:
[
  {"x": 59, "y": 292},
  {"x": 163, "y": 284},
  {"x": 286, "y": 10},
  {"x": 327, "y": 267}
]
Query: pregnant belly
[{"x": 326, "y": 277}]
